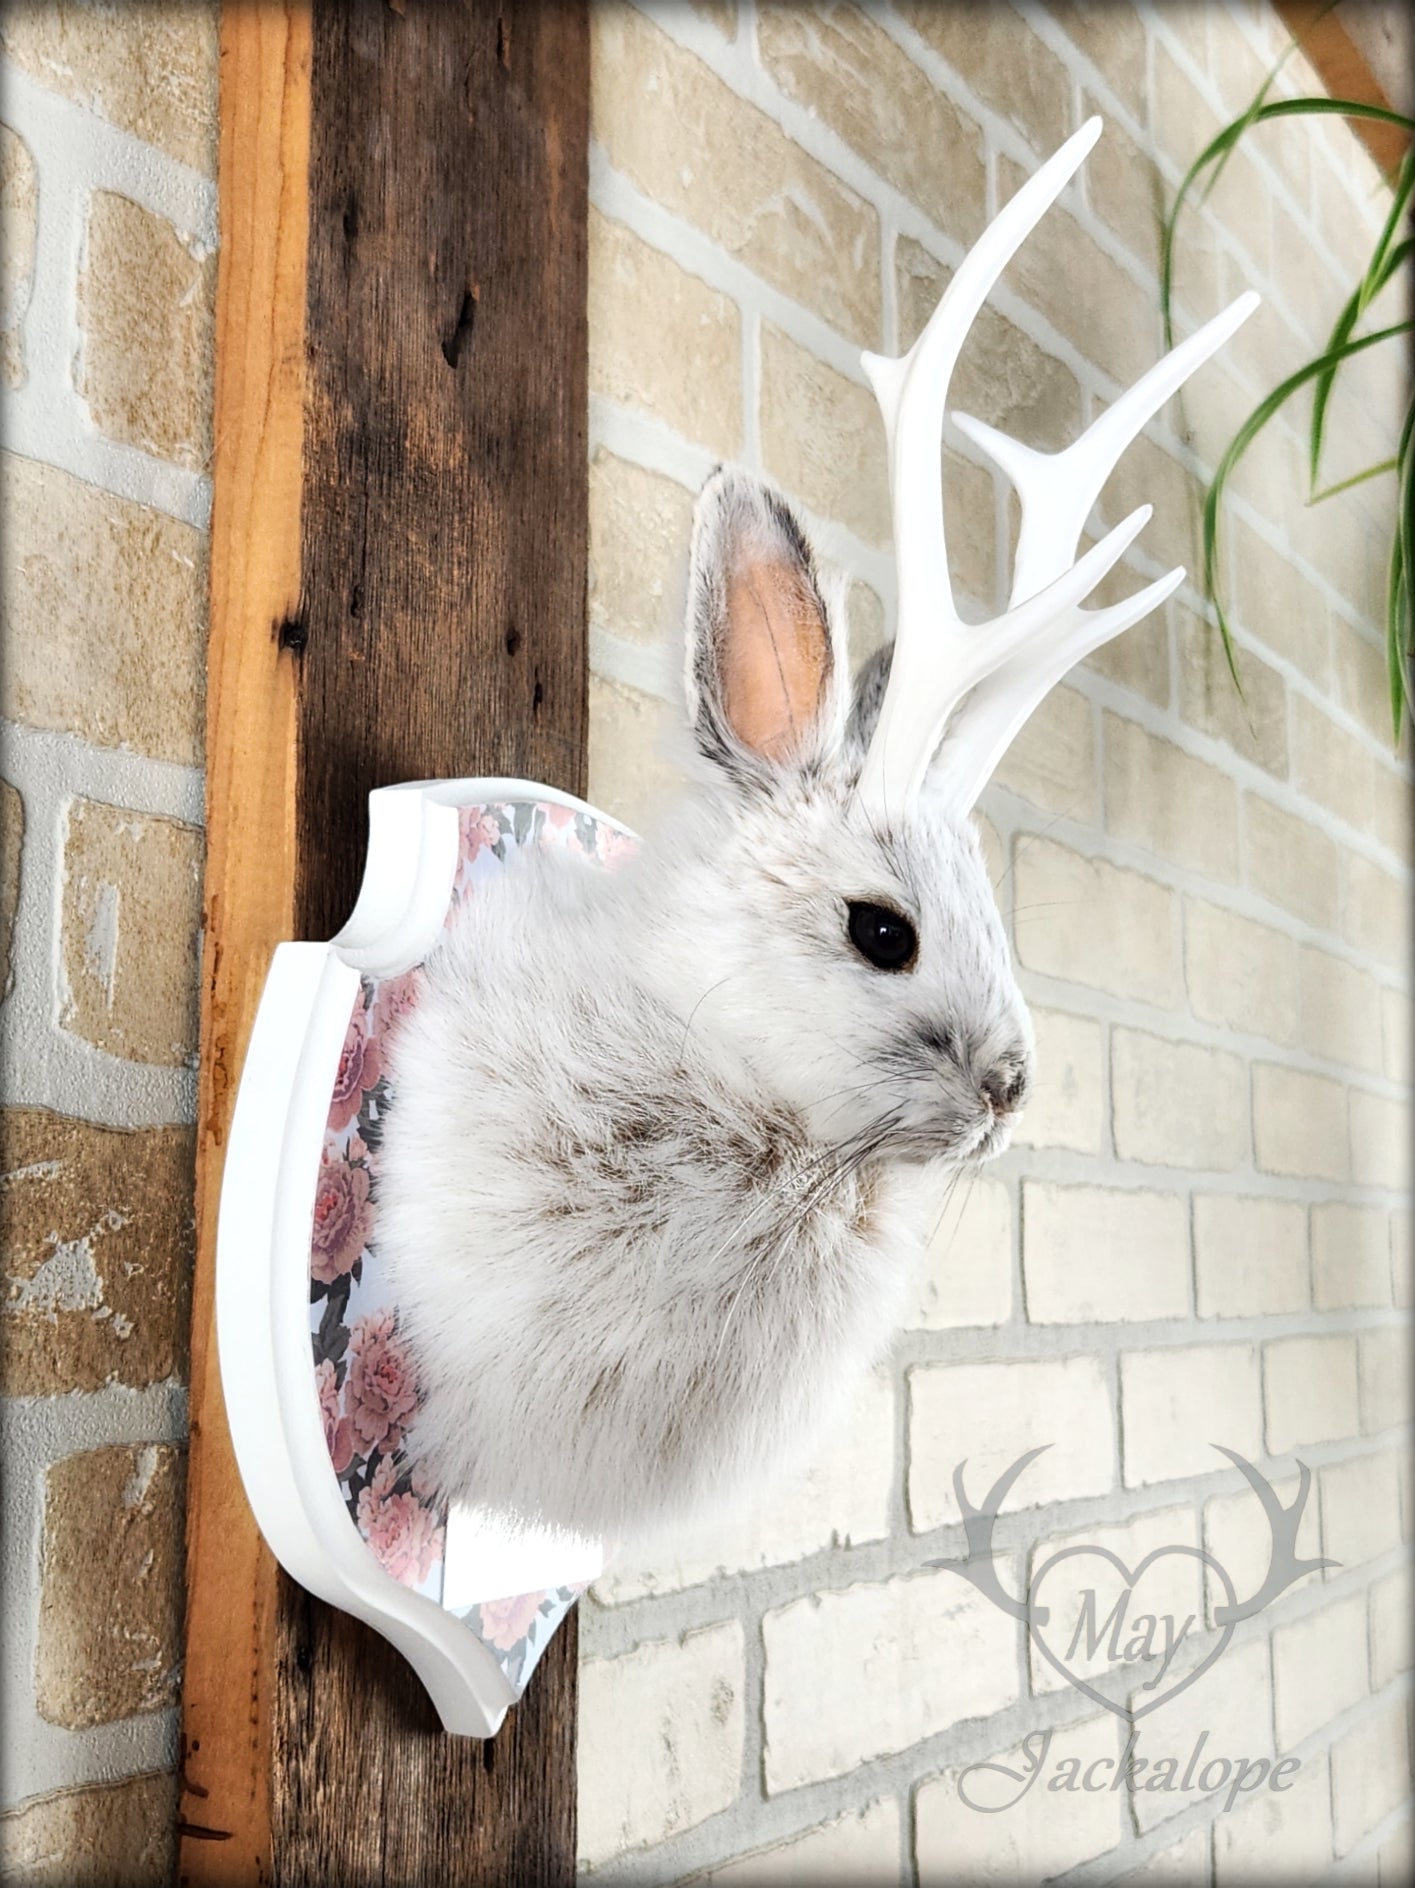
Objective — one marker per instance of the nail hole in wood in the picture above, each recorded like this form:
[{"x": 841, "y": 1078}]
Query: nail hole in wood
[{"x": 461, "y": 334}]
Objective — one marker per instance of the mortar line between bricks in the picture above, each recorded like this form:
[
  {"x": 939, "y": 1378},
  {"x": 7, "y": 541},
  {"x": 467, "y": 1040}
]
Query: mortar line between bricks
[
  {"x": 614, "y": 1629},
  {"x": 44, "y": 1064},
  {"x": 888, "y": 200}
]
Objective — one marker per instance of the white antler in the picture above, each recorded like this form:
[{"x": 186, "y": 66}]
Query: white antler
[{"x": 980, "y": 682}]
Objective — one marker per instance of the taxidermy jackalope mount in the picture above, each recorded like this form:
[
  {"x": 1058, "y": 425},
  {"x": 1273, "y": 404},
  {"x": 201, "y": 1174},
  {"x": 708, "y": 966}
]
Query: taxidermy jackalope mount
[{"x": 666, "y": 1145}]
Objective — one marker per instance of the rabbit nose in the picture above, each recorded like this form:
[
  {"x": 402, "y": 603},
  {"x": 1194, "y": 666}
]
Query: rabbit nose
[{"x": 1004, "y": 1089}]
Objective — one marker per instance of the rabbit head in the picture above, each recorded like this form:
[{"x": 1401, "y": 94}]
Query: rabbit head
[
  {"x": 859, "y": 964},
  {"x": 823, "y": 902}
]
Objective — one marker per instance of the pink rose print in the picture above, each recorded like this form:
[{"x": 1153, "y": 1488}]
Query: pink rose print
[
  {"x": 479, "y": 829},
  {"x": 338, "y": 1434},
  {"x": 614, "y": 846},
  {"x": 406, "y": 1538},
  {"x": 381, "y": 1390},
  {"x": 504, "y": 1623},
  {"x": 360, "y": 1065},
  {"x": 395, "y": 996},
  {"x": 342, "y": 1217},
  {"x": 559, "y": 816}
]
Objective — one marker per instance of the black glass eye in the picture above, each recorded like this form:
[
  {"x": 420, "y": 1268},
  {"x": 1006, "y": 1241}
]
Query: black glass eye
[{"x": 883, "y": 937}]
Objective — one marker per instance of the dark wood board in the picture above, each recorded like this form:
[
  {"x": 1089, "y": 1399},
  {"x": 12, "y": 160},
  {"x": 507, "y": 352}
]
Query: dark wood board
[
  {"x": 445, "y": 508},
  {"x": 441, "y": 631}
]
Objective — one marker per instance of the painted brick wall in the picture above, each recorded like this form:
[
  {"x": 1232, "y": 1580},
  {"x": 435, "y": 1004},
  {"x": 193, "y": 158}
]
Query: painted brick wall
[
  {"x": 1203, "y": 1235},
  {"x": 774, "y": 189},
  {"x": 108, "y": 149}
]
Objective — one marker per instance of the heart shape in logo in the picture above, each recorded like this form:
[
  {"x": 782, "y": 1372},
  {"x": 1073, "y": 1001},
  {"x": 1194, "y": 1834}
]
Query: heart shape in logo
[{"x": 1039, "y": 1615}]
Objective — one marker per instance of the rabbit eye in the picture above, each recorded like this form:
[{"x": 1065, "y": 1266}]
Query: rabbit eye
[{"x": 882, "y": 936}]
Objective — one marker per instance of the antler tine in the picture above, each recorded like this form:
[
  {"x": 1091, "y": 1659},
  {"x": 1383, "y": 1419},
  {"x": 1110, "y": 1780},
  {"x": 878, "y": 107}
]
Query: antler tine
[
  {"x": 1058, "y": 489},
  {"x": 978, "y": 1566},
  {"x": 985, "y": 725},
  {"x": 1283, "y": 1565},
  {"x": 912, "y": 391}
]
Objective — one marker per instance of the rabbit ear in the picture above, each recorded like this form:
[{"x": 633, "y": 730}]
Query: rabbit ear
[{"x": 765, "y": 674}]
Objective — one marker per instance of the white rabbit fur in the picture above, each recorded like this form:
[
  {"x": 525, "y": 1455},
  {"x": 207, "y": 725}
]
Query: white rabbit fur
[{"x": 665, "y": 1148}]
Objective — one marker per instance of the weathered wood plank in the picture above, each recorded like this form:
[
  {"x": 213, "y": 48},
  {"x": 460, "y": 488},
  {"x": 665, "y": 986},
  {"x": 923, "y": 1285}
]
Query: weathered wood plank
[
  {"x": 224, "y": 1833},
  {"x": 445, "y": 505},
  {"x": 442, "y": 631},
  {"x": 1345, "y": 71}
]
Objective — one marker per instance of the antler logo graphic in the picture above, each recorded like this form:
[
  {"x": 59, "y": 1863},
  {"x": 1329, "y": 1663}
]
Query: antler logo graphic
[{"x": 1120, "y": 1637}]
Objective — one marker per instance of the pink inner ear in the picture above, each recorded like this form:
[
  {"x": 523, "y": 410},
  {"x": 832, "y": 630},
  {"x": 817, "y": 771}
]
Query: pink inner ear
[{"x": 776, "y": 659}]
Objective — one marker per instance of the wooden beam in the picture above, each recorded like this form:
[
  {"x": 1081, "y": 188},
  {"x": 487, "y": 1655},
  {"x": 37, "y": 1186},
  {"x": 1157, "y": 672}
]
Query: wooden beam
[
  {"x": 224, "y": 1826},
  {"x": 432, "y": 623},
  {"x": 1344, "y": 69}
]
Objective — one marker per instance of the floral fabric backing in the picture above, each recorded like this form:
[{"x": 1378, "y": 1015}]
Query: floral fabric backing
[{"x": 364, "y": 1371}]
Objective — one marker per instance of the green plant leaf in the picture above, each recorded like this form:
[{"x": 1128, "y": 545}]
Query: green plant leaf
[
  {"x": 1357, "y": 478},
  {"x": 1400, "y": 601},
  {"x": 1224, "y": 141},
  {"x": 1387, "y": 257},
  {"x": 1239, "y": 445}
]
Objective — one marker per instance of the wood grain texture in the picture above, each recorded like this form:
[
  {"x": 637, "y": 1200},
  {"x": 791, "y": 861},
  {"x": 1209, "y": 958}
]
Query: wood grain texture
[
  {"x": 224, "y": 1827},
  {"x": 1345, "y": 71},
  {"x": 446, "y": 426},
  {"x": 441, "y": 631}
]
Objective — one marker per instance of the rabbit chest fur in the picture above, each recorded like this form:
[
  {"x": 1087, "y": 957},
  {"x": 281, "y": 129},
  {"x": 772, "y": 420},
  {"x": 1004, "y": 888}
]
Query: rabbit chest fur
[
  {"x": 667, "y": 1139},
  {"x": 661, "y": 1285}
]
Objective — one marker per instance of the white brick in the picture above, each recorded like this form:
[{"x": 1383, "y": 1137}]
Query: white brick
[
  {"x": 1250, "y": 1256},
  {"x": 1380, "y": 1141},
  {"x": 1299, "y": 1123},
  {"x": 1067, "y": 1105},
  {"x": 1175, "y": 1403},
  {"x": 1397, "y": 1036},
  {"x": 629, "y": 773},
  {"x": 1090, "y": 922},
  {"x": 688, "y": 140},
  {"x": 812, "y": 420},
  {"x": 1402, "y": 1259},
  {"x": 1231, "y": 1701},
  {"x": 1161, "y": 799},
  {"x": 1290, "y": 862},
  {"x": 1096, "y": 1254},
  {"x": 1341, "y": 1012},
  {"x": 841, "y": 1496},
  {"x": 1392, "y": 1634},
  {"x": 660, "y": 1740},
  {"x": 898, "y": 1662},
  {"x": 640, "y": 524},
  {"x": 862, "y": 1848},
  {"x": 1280, "y": 1835},
  {"x": 1240, "y": 974},
  {"x": 1376, "y": 912},
  {"x": 1032, "y": 1839},
  {"x": 1237, "y": 1535},
  {"x": 1310, "y": 1391},
  {"x": 1360, "y": 1509},
  {"x": 1184, "y": 1864},
  {"x": 648, "y": 316},
  {"x": 1395, "y": 1859},
  {"x": 1385, "y": 1373},
  {"x": 1177, "y": 1104},
  {"x": 991, "y": 1413},
  {"x": 1319, "y": 1669},
  {"x": 1052, "y": 762},
  {"x": 1370, "y": 1774},
  {"x": 1350, "y": 1256},
  {"x": 1171, "y": 1584},
  {"x": 969, "y": 1279}
]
